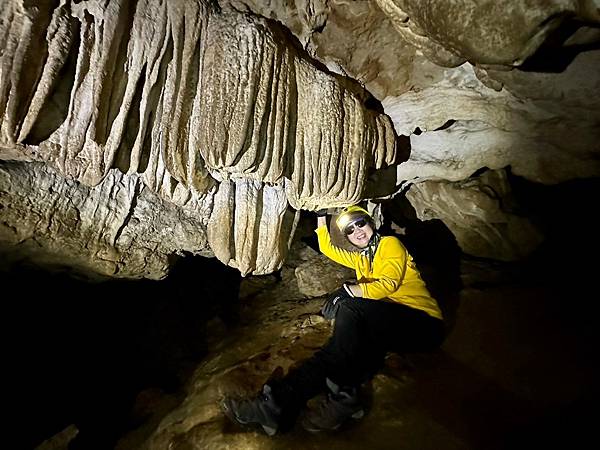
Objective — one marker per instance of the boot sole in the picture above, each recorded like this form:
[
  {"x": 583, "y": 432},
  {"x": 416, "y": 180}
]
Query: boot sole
[{"x": 313, "y": 429}]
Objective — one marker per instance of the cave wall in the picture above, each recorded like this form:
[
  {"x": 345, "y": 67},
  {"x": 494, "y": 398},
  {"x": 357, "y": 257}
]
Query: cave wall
[{"x": 238, "y": 114}]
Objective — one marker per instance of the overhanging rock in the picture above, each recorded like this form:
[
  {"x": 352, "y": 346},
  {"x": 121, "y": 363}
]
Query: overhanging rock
[{"x": 197, "y": 101}]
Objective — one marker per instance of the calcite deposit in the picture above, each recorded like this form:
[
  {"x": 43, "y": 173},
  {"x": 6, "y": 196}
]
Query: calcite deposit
[{"x": 196, "y": 100}]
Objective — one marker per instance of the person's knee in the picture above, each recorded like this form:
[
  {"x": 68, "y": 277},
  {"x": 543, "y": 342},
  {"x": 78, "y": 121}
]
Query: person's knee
[{"x": 351, "y": 308}]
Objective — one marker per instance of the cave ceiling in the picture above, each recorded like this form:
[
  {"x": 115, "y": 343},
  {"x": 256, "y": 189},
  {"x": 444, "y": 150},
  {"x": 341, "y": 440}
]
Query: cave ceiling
[{"x": 134, "y": 130}]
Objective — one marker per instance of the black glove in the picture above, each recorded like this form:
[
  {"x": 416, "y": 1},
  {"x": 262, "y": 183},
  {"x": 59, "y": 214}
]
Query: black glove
[
  {"x": 330, "y": 307},
  {"x": 322, "y": 212}
]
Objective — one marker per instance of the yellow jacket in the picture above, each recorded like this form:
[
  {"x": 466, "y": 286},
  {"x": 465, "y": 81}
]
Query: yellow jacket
[{"x": 393, "y": 274}]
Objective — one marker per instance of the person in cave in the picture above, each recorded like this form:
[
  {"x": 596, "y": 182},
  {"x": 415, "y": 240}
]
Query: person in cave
[{"x": 389, "y": 308}]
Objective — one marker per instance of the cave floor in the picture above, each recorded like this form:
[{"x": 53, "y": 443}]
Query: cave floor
[{"x": 517, "y": 370}]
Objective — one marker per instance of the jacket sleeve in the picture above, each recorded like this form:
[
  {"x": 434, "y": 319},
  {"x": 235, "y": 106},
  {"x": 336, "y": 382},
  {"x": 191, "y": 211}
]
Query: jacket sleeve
[
  {"x": 388, "y": 271},
  {"x": 337, "y": 254}
]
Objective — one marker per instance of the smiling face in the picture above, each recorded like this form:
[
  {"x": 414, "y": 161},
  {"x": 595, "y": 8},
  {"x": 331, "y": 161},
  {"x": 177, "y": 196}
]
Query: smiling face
[{"x": 360, "y": 236}]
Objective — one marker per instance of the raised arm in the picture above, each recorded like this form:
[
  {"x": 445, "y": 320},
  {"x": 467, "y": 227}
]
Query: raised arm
[{"x": 337, "y": 254}]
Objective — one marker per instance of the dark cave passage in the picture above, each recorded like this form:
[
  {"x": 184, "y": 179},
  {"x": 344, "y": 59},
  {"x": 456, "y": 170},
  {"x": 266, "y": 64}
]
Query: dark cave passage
[{"x": 79, "y": 353}]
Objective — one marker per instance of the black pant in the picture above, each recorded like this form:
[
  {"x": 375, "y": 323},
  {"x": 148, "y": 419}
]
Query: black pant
[{"x": 364, "y": 331}]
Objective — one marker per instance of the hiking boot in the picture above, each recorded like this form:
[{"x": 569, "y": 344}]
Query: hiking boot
[
  {"x": 340, "y": 405},
  {"x": 261, "y": 411}
]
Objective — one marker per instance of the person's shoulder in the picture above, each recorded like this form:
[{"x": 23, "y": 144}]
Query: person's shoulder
[
  {"x": 391, "y": 240},
  {"x": 392, "y": 244}
]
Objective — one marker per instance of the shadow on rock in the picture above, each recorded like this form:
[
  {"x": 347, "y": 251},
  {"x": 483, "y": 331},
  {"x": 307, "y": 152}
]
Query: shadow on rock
[{"x": 82, "y": 352}]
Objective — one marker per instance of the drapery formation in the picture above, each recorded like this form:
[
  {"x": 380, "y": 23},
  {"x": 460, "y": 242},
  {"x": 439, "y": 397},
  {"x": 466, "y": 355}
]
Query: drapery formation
[{"x": 196, "y": 100}]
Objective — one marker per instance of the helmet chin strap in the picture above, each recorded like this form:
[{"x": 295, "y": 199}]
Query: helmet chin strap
[{"x": 371, "y": 248}]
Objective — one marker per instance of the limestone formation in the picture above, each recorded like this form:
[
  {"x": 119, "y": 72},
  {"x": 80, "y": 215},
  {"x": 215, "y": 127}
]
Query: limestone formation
[
  {"x": 462, "y": 119},
  {"x": 195, "y": 99},
  {"x": 484, "y": 32},
  {"x": 119, "y": 228},
  {"x": 297, "y": 123},
  {"x": 320, "y": 276},
  {"x": 246, "y": 217},
  {"x": 221, "y": 101},
  {"x": 478, "y": 213},
  {"x": 523, "y": 126}
]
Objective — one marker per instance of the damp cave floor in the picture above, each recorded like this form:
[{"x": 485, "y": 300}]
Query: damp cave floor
[{"x": 518, "y": 370}]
